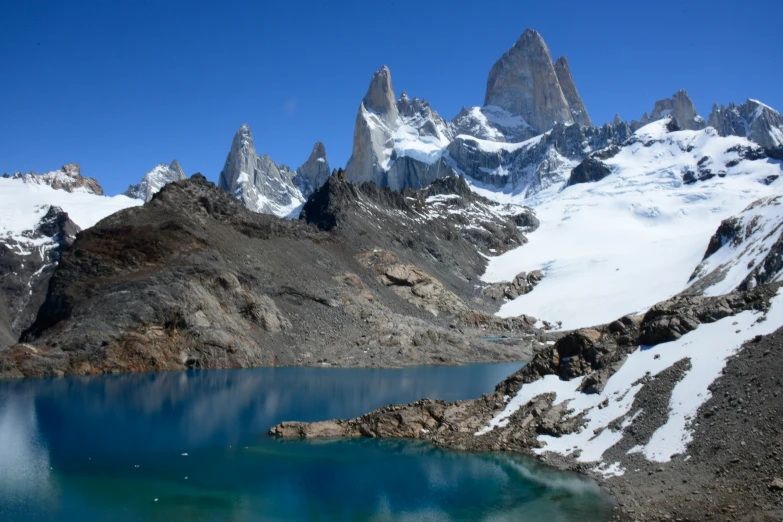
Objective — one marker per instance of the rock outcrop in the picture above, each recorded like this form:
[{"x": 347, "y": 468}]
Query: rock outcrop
[
  {"x": 589, "y": 170},
  {"x": 680, "y": 107},
  {"x": 752, "y": 120},
  {"x": 155, "y": 180},
  {"x": 68, "y": 178},
  {"x": 524, "y": 82}
]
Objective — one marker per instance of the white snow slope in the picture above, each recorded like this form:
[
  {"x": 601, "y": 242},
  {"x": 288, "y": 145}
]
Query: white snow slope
[
  {"x": 708, "y": 347},
  {"x": 624, "y": 243},
  {"x": 22, "y": 205},
  {"x": 759, "y": 228}
]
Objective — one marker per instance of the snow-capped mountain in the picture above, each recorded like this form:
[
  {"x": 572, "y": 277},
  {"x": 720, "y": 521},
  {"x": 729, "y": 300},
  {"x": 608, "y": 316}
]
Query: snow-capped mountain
[
  {"x": 632, "y": 238},
  {"x": 263, "y": 185},
  {"x": 68, "y": 178},
  {"x": 39, "y": 216},
  {"x": 680, "y": 107},
  {"x": 155, "y": 180},
  {"x": 406, "y": 144}
]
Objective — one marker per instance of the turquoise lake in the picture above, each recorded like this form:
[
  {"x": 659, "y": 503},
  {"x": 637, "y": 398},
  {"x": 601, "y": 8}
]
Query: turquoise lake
[{"x": 193, "y": 446}]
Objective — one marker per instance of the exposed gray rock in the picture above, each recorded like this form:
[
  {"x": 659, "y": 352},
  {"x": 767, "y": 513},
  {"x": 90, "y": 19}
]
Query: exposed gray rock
[
  {"x": 259, "y": 182},
  {"x": 375, "y": 157},
  {"x": 752, "y": 120},
  {"x": 679, "y": 107},
  {"x": 68, "y": 178},
  {"x": 575, "y": 104},
  {"x": 155, "y": 180},
  {"x": 314, "y": 172},
  {"x": 523, "y": 81}
]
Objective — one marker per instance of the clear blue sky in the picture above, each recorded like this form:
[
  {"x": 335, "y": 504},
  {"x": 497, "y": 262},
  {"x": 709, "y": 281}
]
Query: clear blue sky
[{"x": 121, "y": 86}]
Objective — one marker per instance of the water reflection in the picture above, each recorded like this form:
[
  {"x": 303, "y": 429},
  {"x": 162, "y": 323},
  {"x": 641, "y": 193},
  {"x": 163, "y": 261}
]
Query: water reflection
[{"x": 92, "y": 448}]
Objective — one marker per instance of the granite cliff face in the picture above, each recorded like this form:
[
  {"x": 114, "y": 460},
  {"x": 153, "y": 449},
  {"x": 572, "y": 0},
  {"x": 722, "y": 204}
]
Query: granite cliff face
[
  {"x": 752, "y": 120},
  {"x": 524, "y": 82},
  {"x": 155, "y": 180},
  {"x": 314, "y": 172},
  {"x": 575, "y": 104}
]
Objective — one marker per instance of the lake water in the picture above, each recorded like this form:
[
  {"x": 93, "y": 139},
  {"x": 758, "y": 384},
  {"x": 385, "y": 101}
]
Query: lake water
[{"x": 105, "y": 448}]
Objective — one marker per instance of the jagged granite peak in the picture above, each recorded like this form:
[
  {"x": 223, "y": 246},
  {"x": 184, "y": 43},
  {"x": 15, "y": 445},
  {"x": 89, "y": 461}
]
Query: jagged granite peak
[
  {"x": 752, "y": 119},
  {"x": 155, "y": 180},
  {"x": 399, "y": 146},
  {"x": 259, "y": 182},
  {"x": 680, "y": 107},
  {"x": 314, "y": 172},
  {"x": 617, "y": 120},
  {"x": 567, "y": 85},
  {"x": 524, "y": 82},
  {"x": 68, "y": 178},
  {"x": 380, "y": 97}
]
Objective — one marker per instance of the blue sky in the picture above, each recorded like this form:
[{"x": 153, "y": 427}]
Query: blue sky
[{"x": 120, "y": 87}]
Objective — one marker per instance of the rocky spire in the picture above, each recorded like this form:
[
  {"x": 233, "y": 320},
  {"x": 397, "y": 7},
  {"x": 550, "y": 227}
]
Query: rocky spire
[
  {"x": 373, "y": 130},
  {"x": 314, "y": 172},
  {"x": 567, "y": 85},
  {"x": 380, "y": 97},
  {"x": 524, "y": 82},
  {"x": 155, "y": 180},
  {"x": 261, "y": 184}
]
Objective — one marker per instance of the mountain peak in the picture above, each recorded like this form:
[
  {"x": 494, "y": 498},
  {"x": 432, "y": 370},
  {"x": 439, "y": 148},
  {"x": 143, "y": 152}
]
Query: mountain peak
[
  {"x": 575, "y": 104},
  {"x": 681, "y": 108},
  {"x": 319, "y": 151},
  {"x": 524, "y": 82},
  {"x": 380, "y": 97}
]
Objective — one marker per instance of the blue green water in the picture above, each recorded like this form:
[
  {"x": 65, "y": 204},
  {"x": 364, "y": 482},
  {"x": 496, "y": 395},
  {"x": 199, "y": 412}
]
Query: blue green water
[{"x": 105, "y": 448}]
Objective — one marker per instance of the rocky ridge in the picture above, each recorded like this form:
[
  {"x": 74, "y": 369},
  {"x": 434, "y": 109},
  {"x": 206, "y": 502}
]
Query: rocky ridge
[
  {"x": 68, "y": 178},
  {"x": 195, "y": 280}
]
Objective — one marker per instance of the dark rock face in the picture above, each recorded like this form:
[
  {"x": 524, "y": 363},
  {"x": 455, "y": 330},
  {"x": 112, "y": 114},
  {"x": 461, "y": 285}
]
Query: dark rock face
[
  {"x": 591, "y": 169},
  {"x": 194, "y": 280},
  {"x": 443, "y": 224},
  {"x": 25, "y": 270}
]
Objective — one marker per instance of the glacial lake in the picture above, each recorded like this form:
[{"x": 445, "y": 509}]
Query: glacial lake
[{"x": 105, "y": 448}]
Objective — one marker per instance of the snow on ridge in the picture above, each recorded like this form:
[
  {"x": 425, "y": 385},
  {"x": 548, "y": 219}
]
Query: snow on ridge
[
  {"x": 758, "y": 228},
  {"x": 708, "y": 347},
  {"x": 23, "y": 205},
  {"x": 622, "y": 244}
]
